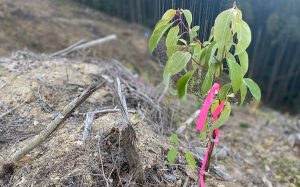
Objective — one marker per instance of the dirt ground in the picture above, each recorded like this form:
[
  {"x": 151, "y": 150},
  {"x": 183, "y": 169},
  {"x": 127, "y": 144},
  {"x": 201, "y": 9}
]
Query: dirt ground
[
  {"x": 36, "y": 88},
  {"x": 50, "y": 25},
  {"x": 254, "y": 150}
]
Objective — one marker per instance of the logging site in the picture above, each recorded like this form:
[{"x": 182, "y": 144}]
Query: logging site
[{"x": 175, "y": 93}]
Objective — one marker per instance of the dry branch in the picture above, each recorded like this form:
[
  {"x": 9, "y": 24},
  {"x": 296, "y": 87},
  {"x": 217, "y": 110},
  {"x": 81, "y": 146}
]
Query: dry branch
[
  {"x": 38, "y": 139},
  {"x": 68, "y": 49},
  {"x": 82, "y": 45},
  {"x": 96, "y": 42}
]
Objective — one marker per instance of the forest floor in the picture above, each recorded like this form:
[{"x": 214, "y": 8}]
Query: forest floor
[{"x": 255, "y": 147}]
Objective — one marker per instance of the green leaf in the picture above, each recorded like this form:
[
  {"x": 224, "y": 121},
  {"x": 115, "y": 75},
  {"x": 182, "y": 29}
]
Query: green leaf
[
  {"x": 171, "y": 50},
  {"x": 171, "y": 156},
  {"x": 254, "y": 88},
  {"x": 221, "y": 30},
  {"x": 169, "y": 14},
  {"x": 193, "y": 33},
  {"x": 203, "y": 56},
  {"x": 218, "y": 70},
  {"x": 172, "y": 36},
  {"x": 171, "y": 40},
  {"x": 158, "y": 32},
  {"x": 244, "y": 61},
  {"x": 230, "y": 56},
  {"x": 197, "y": 52},
  {"x": 207, "y": 83},
  {"x": 174, "y": 139},
  {"x": 176, "y": 63},
  {"x": 236, "y": 22},
  {"x": 223, "y": 117},
  {"x": 182, "y": 85},
  {"x": 243, "y": 91},
  {"x": 183, "y": 41},
  {"x": 214, "y": 105},
  {"x": 244, "y": 38},
  {"x": 203, "y": 135},
  {"x": 235, "y": 74},
  {"x": 224, "y": 90},
  {"x": 206, "y": 43},
  {"x": 188, "y": 16},
  {"x": 212, "y": 58},
  {"x": 190, "y": 160},
  {"x": 208, "y": 53},
  {"x": 196, "y": 28}
]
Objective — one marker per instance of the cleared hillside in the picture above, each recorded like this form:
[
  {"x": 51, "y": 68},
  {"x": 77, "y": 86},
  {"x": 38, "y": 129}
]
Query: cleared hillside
[
  {"x": 256, "y": 146},
  {"x": 50, "y": 25}
]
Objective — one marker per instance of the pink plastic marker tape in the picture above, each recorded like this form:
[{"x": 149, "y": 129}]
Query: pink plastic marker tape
[
  {"x": 216, "y": 114},
  {"x": 201, "y": 121},
  {"x": 205, "y": 108}
]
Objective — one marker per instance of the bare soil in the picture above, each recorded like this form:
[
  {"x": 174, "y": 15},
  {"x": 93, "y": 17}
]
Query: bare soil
[
  {"x": 50, "y": 25},
  {"x": 38, "y": 87}
]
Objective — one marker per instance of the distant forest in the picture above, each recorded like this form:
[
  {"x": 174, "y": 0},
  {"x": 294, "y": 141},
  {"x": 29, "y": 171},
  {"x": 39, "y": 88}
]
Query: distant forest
[{"x": 275, "y": 49}]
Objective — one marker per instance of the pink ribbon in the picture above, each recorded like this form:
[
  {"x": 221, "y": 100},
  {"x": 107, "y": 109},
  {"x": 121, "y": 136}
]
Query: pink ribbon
[
  {"x": 201, "y": 121},
  {"x": 216, "y": 114},
  {"x": 205, "y": 108}
]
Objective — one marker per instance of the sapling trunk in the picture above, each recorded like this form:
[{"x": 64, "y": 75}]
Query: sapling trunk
[
  {"x": 224, "y": 51},
  {"x": 210, "y": 148}
]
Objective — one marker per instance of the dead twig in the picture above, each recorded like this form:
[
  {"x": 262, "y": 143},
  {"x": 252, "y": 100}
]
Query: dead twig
[
  {"x": 267, "y": 182},
  {"x": 11, "y": 110},
  {"x": 3, "y": 85}
]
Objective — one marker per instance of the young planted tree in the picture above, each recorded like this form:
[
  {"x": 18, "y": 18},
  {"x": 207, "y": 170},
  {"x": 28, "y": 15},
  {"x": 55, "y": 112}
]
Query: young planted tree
[{"x": 224, "y": 52}]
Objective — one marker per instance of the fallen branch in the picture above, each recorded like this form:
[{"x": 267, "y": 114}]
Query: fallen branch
[
  {"x": 68, "y": 49},
  {"x": 112, "y": 111},
  {"x": 96, "y": 42},
  {"x": 38, "y": 139},
  {"x": 82, "y": 45}
]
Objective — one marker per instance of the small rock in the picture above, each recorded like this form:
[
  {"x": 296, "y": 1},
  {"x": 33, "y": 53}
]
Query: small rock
[
  {"x": 294, "y": 140},
  {"x": 35, "y": 122},
  {"x": 79, "y": 143}
]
